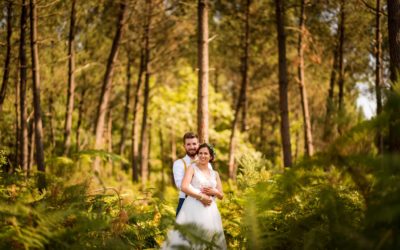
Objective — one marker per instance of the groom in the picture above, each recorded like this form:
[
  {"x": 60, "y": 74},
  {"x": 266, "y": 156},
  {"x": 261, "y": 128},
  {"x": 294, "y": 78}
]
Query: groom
[{"x": 191, "y": 144}]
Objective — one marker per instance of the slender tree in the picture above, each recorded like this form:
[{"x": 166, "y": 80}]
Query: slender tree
[
  {"x": 52, "y": 112},
  {"x": 127, "y": 103},
  {"x": 283, "y": 84},
  {"x": 202, "y": 62},
  {"x": 71, "y": 80},
  {"x": 144, "y": 137},
  {"x": 36, "y": 96},
  {"x": 31, "y": 159},
  {"x": 378, "y": 70},
  {"x": 341, "y": 58},
  {"x": 241, "y": 101},
  {"x": 393, "y": 6},
  {"x": 23, "y": 136},
  {"x": 245, "y": 62},
  {"x": 162, "y": 156},
  {"x": 107, "y": 82},
  {"x": 109, "y": 136},
  {"x": 308, "y": 141},
  {"x": 330, "y": 99},
  {"x": 6, "y": 73},
  {"x": 173, "y": 155},
  {"x": 337, "y": 68},
  {"x": 135, "y": 122},
  {"x": 17, "y": 125},
  {"x": 80, "y": 116}
]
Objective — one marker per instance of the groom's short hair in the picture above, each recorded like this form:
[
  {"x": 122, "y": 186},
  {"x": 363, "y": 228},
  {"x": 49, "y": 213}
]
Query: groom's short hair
[{"x": 189, "y": 135}]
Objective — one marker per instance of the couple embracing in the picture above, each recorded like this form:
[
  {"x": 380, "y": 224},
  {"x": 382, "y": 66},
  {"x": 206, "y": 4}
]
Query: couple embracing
[{"x": 199, "y": 186}]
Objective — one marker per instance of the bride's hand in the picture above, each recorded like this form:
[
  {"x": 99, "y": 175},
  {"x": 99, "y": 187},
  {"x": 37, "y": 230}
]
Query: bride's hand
[{"x": 209, "y": 191}]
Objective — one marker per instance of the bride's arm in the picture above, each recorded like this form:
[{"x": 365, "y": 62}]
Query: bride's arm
[
  {"x": 220, "y": 193},
  {"x": 188, "y": 189}
]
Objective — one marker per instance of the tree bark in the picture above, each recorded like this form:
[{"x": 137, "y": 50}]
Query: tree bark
[
  {"x": 36, "y": 97},
  {"x": 71, "y": 81},
  {"x": 6, "y": 73},
  {"x": 126, "y": 109},
  {"x": 341, "y": 60},
  {"x": 22, "y": 86},
  {"x": 135, "y": 123},
  {"x": 17, "y": 125},
  {"x": 51, "y": 123},
  {"x": 109, "y": 139},
  {"x": 80, "y": 115},
  {"x": 107, "y": 83},
  {"x": 308, "y": 141},
  {"x": 202, "y": 62},
  {"x": 330, "y": 100},
  {"x": 162, "y": 156},
  {"x": 173, "y": 155},
  {"x": 31, "y": 156},
  {"x": 393, "y": 143},
  {"x": 144, "y": 138},
  {"x": 283, "y": 84},
  {"x": 241, "y": 101},
  {"x": 245, "y": 63},
  {"x": 378, "y": 71},
  {"x": 394, "y": 41}
]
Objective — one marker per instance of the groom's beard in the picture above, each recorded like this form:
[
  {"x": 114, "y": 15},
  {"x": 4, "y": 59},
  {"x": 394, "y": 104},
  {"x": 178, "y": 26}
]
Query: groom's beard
[{"x": 191, "y": 154}]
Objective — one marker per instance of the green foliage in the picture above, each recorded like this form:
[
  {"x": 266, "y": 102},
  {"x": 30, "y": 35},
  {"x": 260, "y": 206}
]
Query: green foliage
[
  {"x": 3, "y": 158},
  {"x": 76, "y": 213},
  {"x": 343, "y": 198}
]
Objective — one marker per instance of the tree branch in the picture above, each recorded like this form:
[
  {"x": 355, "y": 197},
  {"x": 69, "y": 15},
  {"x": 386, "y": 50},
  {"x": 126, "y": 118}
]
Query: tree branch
[{"x": 372, "y": 8}]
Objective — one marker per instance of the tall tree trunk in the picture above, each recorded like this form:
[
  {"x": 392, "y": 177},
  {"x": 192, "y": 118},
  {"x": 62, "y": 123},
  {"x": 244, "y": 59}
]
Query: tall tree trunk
[
  {"x": 202, "y": 62},
  {"x": 341, "y": 60},
  {"x": 80, "y": 115},
  {"x": 22, "y": 86},
  {"x": 126, "y": 109},
  {"x": 109, "y": 139},
  {"x": 144, "y": 164},
  {"x": 31, "y": 159},
  {"x": 394, "y": 42},
  {"x": 107, "y": 83},
  {"x": 378, "y": 71},
  {"x": 241, "y": 101},
  {"x": 149, "y": 151},
  {"x": 36, "y": 97},
  {"x": 162, "y": 157},
  {"x": 330, "y": 100},
  {"x": 71, "y": 81},
  {"x": 51, "y": 123},
  {"x": 283, "y": 84},
  {"x": 17, "y": 125},
  {"x": 393, "y": 7},
  {"x": 308, "y": 141},
  {"x": 245, "y": 63},
  {"x": 173, "y": 155},
  {"x": 3, "y": 89},
  {"x": 135, "y": 123}
]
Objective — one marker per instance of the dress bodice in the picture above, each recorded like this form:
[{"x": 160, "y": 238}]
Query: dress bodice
[{"x": 199, "y": 180}]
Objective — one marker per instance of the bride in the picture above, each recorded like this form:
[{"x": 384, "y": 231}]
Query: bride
[{"x": 206, "y": 220}]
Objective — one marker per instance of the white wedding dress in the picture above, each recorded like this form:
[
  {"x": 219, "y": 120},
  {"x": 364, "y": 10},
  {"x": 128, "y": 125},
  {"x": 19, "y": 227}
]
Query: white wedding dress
[{"x": 194, "y": 212}]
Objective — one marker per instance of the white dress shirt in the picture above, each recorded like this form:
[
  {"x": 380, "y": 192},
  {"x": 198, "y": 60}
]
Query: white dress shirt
[{"x": 179, "y": 171}]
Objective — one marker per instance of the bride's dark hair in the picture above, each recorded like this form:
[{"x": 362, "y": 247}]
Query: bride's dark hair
[{"x": 210, "y": 148}]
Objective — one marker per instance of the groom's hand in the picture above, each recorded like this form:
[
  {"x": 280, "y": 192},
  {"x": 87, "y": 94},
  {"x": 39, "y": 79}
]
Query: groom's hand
[{"x": 206, "y": 200}]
